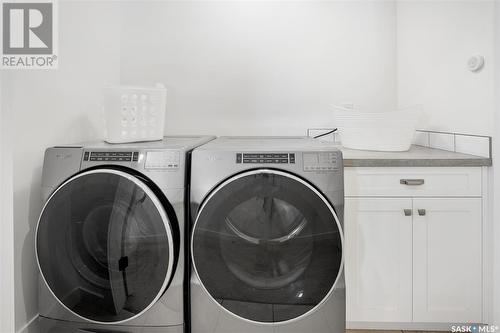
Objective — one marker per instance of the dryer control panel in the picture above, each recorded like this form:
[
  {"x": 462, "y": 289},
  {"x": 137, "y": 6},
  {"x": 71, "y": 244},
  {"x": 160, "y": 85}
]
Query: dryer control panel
[
  {"x": 265, "y": 158},
  {"x": 111, "y": 156},
  {"x": 320, "y": 161},
  {"x": 151, "y": 159}
]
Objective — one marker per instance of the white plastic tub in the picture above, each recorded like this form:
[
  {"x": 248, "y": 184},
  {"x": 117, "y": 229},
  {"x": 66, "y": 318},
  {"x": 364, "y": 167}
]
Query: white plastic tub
[
  {"x": 134, "y": 113},
  {"x": 382, "y": 131}
]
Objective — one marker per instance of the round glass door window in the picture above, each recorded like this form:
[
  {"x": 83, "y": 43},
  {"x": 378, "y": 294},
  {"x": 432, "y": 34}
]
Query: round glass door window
[
  {"x": 267, "y": 246},
  {"x": 105, "y": 246}
]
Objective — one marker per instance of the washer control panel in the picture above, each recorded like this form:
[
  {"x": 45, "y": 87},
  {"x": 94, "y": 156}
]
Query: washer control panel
[
  {"x": 320, "y": 161},
  {"x": 111, "y": 156},
  {"x": 265, "y": 158}
]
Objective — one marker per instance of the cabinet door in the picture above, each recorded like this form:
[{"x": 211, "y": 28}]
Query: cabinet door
[
  {"x": 378, "y": 259},
  {"x": 447, "y": 260}
]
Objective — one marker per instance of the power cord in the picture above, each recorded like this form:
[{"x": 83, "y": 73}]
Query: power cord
[{"x": 325, "y": 134}]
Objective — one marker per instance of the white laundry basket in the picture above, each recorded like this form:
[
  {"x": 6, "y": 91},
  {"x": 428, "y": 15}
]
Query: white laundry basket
[
  {"x": 134, "y": 113},
  {"x": 382, "y": 131}
]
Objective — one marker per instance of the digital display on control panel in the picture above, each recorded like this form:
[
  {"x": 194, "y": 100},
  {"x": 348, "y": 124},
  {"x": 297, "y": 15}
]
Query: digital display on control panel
[
  {"x": 265, "y": 158},
  {"x": 108, "y": 156},
  {"x": 164, "y": 159},
  {"x": 320, "y": 161}
]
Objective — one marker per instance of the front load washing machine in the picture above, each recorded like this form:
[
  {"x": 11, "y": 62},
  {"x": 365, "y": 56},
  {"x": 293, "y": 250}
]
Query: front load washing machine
[
  {"x": 266, "y": 238},
  {"x": 110, "y": 240}
]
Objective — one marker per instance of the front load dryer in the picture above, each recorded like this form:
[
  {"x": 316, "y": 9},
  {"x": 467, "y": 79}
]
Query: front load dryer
[
  {"x": 110, "y": 238},
  {"x": 267, "y": 240}
]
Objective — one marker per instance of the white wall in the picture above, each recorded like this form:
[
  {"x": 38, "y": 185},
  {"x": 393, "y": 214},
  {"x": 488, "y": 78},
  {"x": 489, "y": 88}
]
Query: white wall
[
  {"x": 56, "y": 107},
  {"x": 6, "y": 221},
  {"x": 496, "y": 175},
  {"x": 434, "y": 41},
  {"x": 260, "y": 68}
]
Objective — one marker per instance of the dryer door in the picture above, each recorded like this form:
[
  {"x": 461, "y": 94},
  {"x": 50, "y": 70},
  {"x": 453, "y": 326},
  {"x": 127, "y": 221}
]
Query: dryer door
[
  {"x": 267, "y": 246},
  {"x": 105, "y": 245}
]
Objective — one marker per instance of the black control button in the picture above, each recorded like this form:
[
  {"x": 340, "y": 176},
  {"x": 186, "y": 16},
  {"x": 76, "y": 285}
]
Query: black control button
[
  {"x": 238, "y": 158},
  {"x": 86, "y": 156}
]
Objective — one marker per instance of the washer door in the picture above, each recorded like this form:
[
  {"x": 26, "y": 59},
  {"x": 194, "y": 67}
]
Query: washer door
[
  {"x": 267, "y": 246},
  {"x": 105, "y": 246}
]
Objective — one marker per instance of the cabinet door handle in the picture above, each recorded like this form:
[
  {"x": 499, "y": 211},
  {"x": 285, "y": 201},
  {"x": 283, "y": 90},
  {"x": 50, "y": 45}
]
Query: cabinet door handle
[
  {"x": 421, "y": 212},
  {"x": 412, "y": 182},
  {"x": 407, "y": 212}
]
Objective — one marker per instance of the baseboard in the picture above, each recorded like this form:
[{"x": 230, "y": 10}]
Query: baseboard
[{"x": 30, "y": 327}]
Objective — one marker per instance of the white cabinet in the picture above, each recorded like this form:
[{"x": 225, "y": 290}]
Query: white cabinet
[
  {"x": 379, "y": 270},
  {"x": 447, "y": 260},
  {"x": 413, "y": 250}
]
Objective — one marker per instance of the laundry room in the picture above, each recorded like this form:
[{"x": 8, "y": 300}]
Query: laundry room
[{"x": 256, "y": 166}]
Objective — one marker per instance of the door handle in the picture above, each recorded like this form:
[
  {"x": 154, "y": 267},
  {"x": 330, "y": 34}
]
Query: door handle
[
  {"x": 421, "y": 212},
  {"x": 407, "y": 212},
  {"x": 412, "y": 182}
]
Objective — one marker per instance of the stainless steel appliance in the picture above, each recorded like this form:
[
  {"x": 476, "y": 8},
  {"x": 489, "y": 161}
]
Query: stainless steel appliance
[
  {"x": 267, "y": 239},
  {"x": 110, "y": 241}
]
